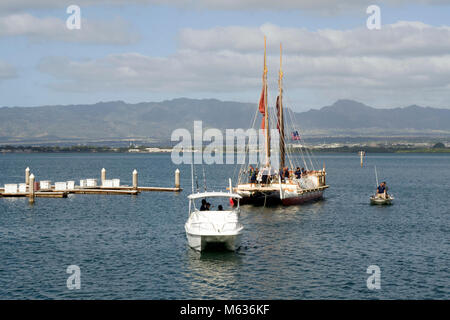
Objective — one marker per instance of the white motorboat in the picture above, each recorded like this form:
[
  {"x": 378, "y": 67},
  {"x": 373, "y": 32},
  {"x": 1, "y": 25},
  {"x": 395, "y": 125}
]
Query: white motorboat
[{"x": 209, "y": 227}]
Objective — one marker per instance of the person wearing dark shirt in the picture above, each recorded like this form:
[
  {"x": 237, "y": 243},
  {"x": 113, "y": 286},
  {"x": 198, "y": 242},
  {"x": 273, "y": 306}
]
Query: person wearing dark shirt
[
  {"x": 281, "y": 172},
  {"x": 254, "y": 175},
  {"x": 251, "y": 171},
  {"x": 298, "y": 173},
  {"x": 220, "y": 208},
  {"x": 382, "y": 190},
  {"x": 286, "y": 173},
  {"x": 203, "y": 206}
]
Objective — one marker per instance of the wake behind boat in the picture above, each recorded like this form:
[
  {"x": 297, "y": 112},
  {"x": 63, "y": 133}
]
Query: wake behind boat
[{"x": 271, "y": 184}]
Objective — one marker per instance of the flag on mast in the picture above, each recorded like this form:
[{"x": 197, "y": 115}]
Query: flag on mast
[{"x": 295, "y": 135}]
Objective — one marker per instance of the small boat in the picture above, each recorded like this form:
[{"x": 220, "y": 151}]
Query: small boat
[
  {"x": 381, "y": 200},
  {"x": 218, "y": 227}
]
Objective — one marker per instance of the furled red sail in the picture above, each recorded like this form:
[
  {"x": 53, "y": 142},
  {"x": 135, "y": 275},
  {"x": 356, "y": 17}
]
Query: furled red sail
[{"x": 262, "y": 106}]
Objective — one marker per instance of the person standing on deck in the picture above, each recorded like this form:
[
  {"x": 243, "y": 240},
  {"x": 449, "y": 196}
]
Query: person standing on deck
[
  {"x": 286, "y": 173},
  {"x": 254, "y": 176},
  {"x": 298, "y": 173},
  {"x": 251, "y": 171}
]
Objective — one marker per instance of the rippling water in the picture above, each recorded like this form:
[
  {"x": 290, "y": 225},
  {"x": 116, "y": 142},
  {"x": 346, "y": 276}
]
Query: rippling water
[{"x": 134, "y": 247}]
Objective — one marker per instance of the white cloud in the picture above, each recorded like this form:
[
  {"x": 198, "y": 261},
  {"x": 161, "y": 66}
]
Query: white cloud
[
  {"x": 50, "y": 28},
  {"x": 408, "y": 63},
  {"x": 401, "y": 38},
  {"x": 7, "y": 71}
]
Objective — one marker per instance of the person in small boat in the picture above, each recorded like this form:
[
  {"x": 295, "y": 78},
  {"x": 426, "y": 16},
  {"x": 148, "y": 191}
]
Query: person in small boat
[
  {"x": 208, "y": 206},
  {"x": 298, "y": 173},
  {"x": 203, "y": 206},
  {"x": 381, "y": 190},
  {"x": 220, "y": 208}
]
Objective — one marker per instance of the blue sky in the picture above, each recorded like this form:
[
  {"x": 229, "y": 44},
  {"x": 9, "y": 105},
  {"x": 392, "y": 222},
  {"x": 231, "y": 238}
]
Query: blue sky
[{"x": 156, "y": 59}]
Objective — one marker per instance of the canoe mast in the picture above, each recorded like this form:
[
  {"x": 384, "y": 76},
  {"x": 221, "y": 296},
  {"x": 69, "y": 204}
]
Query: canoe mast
[
  {"x": 280, "y": 115},
  {"x": 266, "y": 111}
]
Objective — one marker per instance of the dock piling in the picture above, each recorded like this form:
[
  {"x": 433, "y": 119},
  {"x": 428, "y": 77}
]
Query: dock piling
[
  {"x": 27, "y": 175},
  {"x": 361, "y": 155},
  {"x": 177, "y": 178},
  {"x": 31, "y": 193},
  {"x": 103, "y": 176},
  {"x": 135, "y": 179}
]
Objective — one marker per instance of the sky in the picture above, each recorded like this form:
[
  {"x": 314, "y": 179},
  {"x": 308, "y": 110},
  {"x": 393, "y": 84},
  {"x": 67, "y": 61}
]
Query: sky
[{"x": 154, "y": 50}]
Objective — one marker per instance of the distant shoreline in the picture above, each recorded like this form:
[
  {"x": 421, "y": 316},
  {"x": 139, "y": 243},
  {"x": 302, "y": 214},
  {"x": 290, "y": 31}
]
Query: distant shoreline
[{"x": 165, "y": 150}]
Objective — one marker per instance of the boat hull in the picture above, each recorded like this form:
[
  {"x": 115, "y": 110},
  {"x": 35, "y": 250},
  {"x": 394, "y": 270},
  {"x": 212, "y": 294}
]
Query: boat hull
[
  {"x": 302, "y": 198},
  {"x": 274, "y": 199},
  {"x": 380, "y": 201},
  {"x": 201, "y": 242}
]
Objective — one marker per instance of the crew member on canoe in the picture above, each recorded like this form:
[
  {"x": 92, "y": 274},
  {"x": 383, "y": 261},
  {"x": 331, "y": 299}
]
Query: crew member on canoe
[
  {"x": 298, "y": 173},
  {"x": 251, "y": 171}
]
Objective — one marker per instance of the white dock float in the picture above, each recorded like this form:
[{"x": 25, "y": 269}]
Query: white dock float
[
  {"x": 60, "y": 186},
  {"x": 45, "y": 185},
  {"x": 91, "y": 183},
  {"x": 11, "y": 188},
  {"x": 70, "y": 185},
  {"x": 22, "y": 187}
]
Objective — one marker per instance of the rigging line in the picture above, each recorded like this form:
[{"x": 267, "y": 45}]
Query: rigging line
[
  {"x": 246, "y": 151},
  {"x": 290, "y": 116},
  {"x": 204, "y": 178},
  {"x": 302, "y": 149},
  {"x": 308, "y": 151},
  {"x": 289, "y": 153},
  {"x": 192, "y": 172}
]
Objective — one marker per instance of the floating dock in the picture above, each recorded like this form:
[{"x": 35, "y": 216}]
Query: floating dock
[{"x": 45, "y": 189}]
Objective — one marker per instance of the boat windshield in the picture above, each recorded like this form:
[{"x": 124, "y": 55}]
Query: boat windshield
[{"x": 212, "y": 204}]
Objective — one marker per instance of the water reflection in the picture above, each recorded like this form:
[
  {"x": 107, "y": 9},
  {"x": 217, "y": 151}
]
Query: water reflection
[{"x": 213, "y": 273}]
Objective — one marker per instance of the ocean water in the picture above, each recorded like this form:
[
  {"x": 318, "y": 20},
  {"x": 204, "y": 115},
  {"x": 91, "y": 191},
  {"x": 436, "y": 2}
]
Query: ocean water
[{"x": 134, "y": 247}]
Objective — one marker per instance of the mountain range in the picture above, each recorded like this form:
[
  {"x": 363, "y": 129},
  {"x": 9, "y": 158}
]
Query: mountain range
[{"x": 154, "y": 121}]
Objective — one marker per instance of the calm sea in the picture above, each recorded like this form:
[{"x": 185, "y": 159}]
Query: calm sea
[{"x": 134, "y": 247}]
